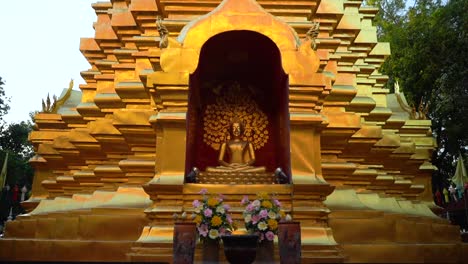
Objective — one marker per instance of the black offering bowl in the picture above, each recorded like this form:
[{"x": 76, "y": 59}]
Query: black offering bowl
[{"x": 240, "y": 249}]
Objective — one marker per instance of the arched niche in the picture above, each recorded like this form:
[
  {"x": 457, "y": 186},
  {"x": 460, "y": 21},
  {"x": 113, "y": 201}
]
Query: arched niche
[
  {"x": 177, "y": 90},
  {"x": 253, "y": 62}
]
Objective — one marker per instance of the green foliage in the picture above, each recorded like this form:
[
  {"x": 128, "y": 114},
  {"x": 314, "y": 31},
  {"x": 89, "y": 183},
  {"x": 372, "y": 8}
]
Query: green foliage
[
  {"x": 390, "y": 17},
  {"x": 449, "y": 109},
  {"x": 429, "y": 49},
  {"x": 14, "y": 140},
  {"x": 4, "y": 107}
]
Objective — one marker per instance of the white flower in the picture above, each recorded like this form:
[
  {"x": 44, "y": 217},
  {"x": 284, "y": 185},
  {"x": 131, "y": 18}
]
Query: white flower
[
  {"x": 213, "y": 234},
  {"x": 288, "y": 218},
  {"x": 262, "y": 226},
  {"x": 271, "y": 215},
  {"x": 198, "y": 209},
  {"x": 248, "y": 218},
  {"x": 256, "y": 203},
  {"x": 220, "y": 210}
]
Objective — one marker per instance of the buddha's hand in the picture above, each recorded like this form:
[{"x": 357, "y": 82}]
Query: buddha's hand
[{"x": 237, "y": 165}]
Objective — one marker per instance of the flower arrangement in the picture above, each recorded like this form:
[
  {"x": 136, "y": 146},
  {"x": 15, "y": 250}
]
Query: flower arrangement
[
  {"x": 212, "y": 217},
  {"x": 261, "y": 216}
]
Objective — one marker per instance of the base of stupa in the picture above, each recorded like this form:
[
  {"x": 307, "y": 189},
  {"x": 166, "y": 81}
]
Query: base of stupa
[
  {"x": 318, "y": 245},
  {"x": 372, "y": 228},
  {"x": 113, "y": 227},
  {"x": 89, "y": 227}
]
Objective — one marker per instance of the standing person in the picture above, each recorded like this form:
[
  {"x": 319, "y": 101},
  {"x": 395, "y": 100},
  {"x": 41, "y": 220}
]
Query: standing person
[
  {"x": 453, "y": 193},
  {"x": 446, "y": 195},
  {"x": 438, "y": 197},
  {"x": 5, "y": 202}
]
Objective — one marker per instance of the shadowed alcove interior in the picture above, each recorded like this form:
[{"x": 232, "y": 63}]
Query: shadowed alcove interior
[{"x": 239, "y": 64}]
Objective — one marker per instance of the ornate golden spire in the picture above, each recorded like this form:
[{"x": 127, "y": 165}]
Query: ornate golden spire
[{"x": 52, "y": 107}]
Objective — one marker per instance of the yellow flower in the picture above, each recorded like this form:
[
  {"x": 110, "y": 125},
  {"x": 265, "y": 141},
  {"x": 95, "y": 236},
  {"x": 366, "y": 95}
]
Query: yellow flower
[
  {"x": 216, "y": 221},
  {"x": 282, "y": 213},
  {"x": 197, "y": 219},
  {"x": 262, "y": 195},
  {"x": 267, "y": 204},
  {"x": 212, "y": 202},
  {"x": 273, "y": 224}
]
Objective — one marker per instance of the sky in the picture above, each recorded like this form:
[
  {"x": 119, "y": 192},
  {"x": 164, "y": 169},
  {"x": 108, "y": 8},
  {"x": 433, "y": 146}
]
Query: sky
[{"x": 39, "y": 50}]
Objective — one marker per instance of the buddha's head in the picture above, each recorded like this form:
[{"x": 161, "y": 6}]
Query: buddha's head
[{"x": 237, "y": 128}]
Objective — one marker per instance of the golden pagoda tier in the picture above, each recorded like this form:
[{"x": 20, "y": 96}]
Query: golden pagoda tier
[{"x": 112, "y": 161}]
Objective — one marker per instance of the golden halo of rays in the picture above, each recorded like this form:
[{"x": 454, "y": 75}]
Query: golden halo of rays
[{"x": 217, "y": 119}]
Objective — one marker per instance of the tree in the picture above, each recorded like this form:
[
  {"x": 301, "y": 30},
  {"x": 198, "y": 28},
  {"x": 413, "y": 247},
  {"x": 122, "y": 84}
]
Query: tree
[
  {"x": 428, "y": 59},
  {"x": 14, "y": 140},
  {"x": 390, "y": 17},
  {"x": 449, "y": 95},
  {"x": 4, "y": 107}
]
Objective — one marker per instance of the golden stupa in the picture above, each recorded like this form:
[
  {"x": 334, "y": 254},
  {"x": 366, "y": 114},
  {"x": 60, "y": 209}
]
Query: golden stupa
[{"x": 166, "y": 78}]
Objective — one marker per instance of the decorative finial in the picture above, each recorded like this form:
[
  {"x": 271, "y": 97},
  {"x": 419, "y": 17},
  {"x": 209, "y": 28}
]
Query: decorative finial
[
  {"x": 281, "y": 177},
  {"x": 423, "y": 110},
  {"x": 193, "y": 175},
  {"x": 163, "y": 33},
  {"x": 52, "y": 107},
  {"x": 397, "y": 87},
  {"x": 47, "y": 106},
  {"x": 312, "y": 34}
]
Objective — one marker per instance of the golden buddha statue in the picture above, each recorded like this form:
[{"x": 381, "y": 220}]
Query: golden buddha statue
[{"x": 240, "y": 153}]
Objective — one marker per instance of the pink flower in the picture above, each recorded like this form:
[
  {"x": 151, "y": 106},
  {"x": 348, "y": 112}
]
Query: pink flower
[
  {"x": 203, "y": 191},
  {"x": 196, "y": 203},
  {"x": 222, "y": 231},
  {"x": 208, "y": 212},
  {"x": 245, "y": 199},
  {"x": 270, "y": 235},
  {"x": 229, "y": 219},
  {"x": 263, "y": 213},
  {"x": 203, "y": 230},
  {"x": 255, "y": 219},
  {"x": 221, "y": 197},
  {"x": 277, "y": 203},
  {"x": 262, "y": 236},
  {"x": 227, "y": 207},
  {"x": 250, "y": 208}
]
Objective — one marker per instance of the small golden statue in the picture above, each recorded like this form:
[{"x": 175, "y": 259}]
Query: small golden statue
[{"x": 241, "y": 153}]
